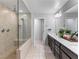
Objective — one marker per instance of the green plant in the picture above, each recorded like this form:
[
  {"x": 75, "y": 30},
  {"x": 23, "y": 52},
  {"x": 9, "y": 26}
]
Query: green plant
[
  {"x": 67, "y": 31},
  {"x": 64, "y": 31},
  {"x": 61, "y": 32}
]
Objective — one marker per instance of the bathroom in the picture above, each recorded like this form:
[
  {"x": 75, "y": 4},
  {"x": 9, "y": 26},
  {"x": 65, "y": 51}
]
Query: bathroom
[{"x": 30, "y": 28}]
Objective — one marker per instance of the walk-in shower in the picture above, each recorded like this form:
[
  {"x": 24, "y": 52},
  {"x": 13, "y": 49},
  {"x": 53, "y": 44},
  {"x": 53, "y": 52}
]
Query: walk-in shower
[
  {"x": 8, "y": 33},
  {"x": 15, "y": 28}
]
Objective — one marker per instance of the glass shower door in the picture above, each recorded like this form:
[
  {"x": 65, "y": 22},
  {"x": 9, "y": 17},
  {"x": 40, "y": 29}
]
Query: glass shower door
[{"x": 24, "y": 23}]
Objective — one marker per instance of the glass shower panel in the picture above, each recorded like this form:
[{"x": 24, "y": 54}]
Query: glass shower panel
[
  {"x": 24, "y": 23},
  {"x": 22, "y": 27}
]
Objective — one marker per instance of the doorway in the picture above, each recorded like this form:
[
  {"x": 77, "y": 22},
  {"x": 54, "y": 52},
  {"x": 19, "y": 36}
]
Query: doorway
[{"x": 38, "y": 30}]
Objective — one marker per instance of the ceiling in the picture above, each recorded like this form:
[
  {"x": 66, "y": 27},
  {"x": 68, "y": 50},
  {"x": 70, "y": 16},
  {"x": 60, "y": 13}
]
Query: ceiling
[
  {"x": 74, "y": 9},
  {"x": 44, "y": 6},
  {"x": 13, "y": 4},
  {"x": 36, "y": 6}
]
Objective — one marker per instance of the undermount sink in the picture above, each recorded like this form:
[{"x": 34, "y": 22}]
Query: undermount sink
[{"x": 72, "y": 40}]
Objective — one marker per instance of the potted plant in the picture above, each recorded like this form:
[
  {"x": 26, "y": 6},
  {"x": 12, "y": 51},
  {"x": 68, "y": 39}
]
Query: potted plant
[{"x": 61, "y": 32}]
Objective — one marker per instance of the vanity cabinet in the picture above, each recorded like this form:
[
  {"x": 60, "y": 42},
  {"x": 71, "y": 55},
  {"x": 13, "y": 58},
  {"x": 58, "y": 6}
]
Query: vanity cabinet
[
  {"x": 59, "y": 50},
  {"x": 67, "y": 54},
  {"x": 51, "y": 45},
  {"x": 64, "y": 56},
  {"x": 54, "y": 46},
  {"x": 50, "y": 42}
]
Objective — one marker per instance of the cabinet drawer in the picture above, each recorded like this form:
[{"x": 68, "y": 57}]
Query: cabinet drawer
[
  {"x": 69, "y": 53},
  {"x": 64, "y": 56},
  {"x": 49, "y": 37},
  {"x": 57, "y": 49},
  {"x": 57, "y": 43},
  {"x": 53, "y": 45},
  {"x": 57, "y": 55}
]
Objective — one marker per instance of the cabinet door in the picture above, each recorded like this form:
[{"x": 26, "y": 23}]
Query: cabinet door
[
  {"x": 56, "y": 52},
  {"x": 50, "y": 42},
  {"x": 64, "y": 56},
  {"x": 53, "y": 45},
  {"x": 57, "y": 49},
  {"x": 68, "y": 53},
  {"x": 56, "y": 55}
]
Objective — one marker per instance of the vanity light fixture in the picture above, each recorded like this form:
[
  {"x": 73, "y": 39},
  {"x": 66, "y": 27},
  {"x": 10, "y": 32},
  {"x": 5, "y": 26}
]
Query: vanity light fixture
[{"x": 58, "y": 14}]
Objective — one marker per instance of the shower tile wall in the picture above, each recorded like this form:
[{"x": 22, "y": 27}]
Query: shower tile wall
[{"x": 8, "y": 32}]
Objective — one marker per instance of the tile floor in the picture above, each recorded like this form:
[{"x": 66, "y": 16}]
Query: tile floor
[{"x": 40, "y": 51}]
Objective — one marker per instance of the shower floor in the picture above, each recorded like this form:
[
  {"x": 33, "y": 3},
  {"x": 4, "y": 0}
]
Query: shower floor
[{"x": 12, "y": 56}]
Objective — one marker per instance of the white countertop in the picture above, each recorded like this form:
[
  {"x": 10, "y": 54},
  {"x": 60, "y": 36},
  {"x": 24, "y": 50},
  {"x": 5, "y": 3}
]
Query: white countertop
[{"x": 73, "y": 46}]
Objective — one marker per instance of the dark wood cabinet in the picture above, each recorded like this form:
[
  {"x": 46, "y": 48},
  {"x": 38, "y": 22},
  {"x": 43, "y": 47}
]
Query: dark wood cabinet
[
  {"x": 59, "y": 50},
  {"x": 64, "y": 56},
  {"x": 51, "y": 44},
  {"x": 68, "y": 53},
  {"x": 56, "y": 49}
]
